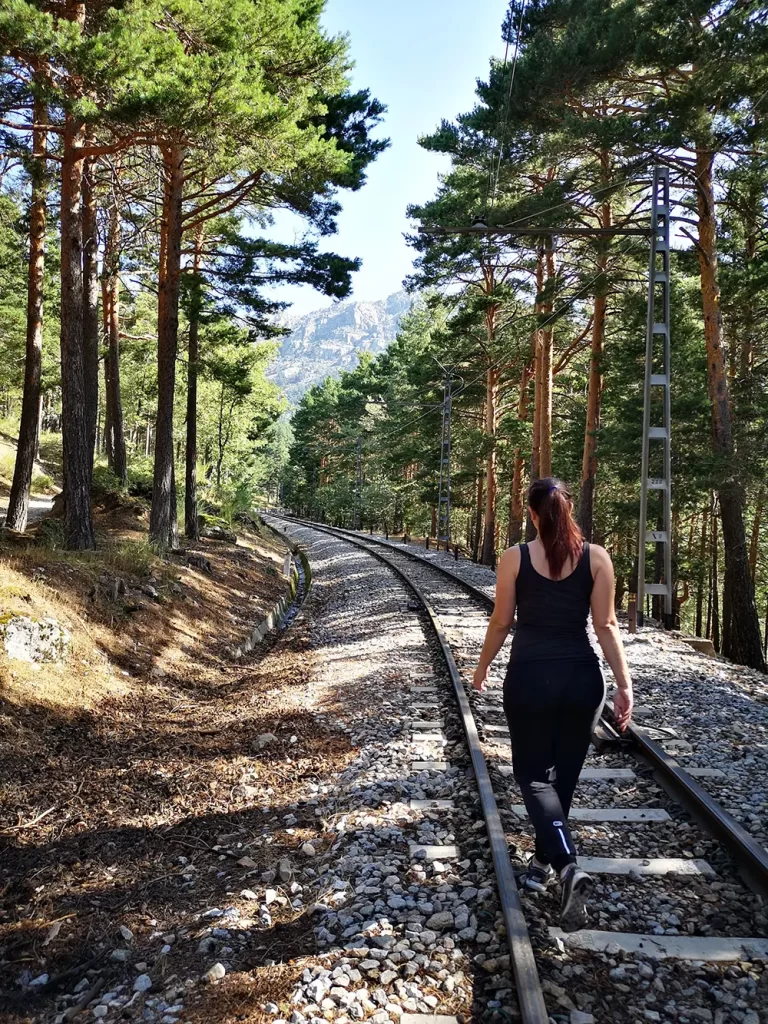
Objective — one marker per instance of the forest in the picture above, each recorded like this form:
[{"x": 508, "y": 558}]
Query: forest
[
  {"x": 543, "y": 336},
  {"x": 144, "y": 150}
]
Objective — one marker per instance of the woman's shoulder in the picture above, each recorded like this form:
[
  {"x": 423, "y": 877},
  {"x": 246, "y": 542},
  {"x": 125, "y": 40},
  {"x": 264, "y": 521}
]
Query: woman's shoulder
[
  {"x": 598, "y": 556},
  {"x": 510, "y": 560}
]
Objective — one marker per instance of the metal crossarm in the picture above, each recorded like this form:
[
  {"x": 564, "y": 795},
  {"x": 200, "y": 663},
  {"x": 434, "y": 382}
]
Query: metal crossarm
[
  {"x": 444, "y": 488},
  {"x": 657, "y": 375}
]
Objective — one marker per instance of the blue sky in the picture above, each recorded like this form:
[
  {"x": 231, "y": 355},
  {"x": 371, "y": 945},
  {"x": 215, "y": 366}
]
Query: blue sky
[{"x": 421, "y": 58}]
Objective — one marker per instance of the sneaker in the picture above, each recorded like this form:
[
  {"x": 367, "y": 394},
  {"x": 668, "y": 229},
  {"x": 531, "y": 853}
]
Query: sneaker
[
  {"x": 577, "y": 886},
  {"x": 537, "y": 876}
]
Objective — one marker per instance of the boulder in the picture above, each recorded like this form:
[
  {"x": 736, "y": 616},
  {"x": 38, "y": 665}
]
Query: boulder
[{"x": 35, "y": 641}]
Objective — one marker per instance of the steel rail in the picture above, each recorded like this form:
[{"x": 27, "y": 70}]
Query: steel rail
[
  {"x": 751, "y": 857},
  {"x": 527, "y": 983}
]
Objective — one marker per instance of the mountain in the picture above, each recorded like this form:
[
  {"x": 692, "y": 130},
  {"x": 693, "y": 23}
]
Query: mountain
[{"x": 327, "y": 341}]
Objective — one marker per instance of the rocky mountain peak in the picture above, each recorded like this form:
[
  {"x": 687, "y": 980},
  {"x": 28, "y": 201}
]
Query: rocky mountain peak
[{"x": 327, "y": 341}]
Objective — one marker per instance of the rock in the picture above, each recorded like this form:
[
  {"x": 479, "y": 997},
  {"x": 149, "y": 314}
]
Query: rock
[
  {"x": 308, "y": 850},
  {"x": 219, "y": 533},
  {"x": 264, "y": 740},
  {"x": 247, "y": 862},
  {"x": 143, "y": 983},
  {"x": 215, "y": 973},
  {"x": 27, "y": 639},
  {"x": 212, "y": 914},
  {"x": 207, "y": 945},
  {"x": 248, "y": 894},
  {"x": 100, "y": 1011},
  {"x": 150, "y": 591},
  {"x": 126, "y": 933},
  {"x": 39, "y": 981},
  {"x": 284, "y": 869},
  {"x": 200, "y": 562},
  {"x": 270, "y": 895},
  {"x": 317, "y": 989},
  {"x": 443, "y": 919},
  {"x": 120, "y": 955},
  {"x": 579, "y": 1017}
]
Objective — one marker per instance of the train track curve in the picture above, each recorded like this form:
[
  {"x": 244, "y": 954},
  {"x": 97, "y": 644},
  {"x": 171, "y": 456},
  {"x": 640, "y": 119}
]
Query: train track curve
[{"x": 451, "y": 604}]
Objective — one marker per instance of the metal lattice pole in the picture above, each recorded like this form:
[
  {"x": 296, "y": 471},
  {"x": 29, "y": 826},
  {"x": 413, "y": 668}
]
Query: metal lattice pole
[
  {"x": 444, "y": 489},
  {"x": 657, "y": 375}
]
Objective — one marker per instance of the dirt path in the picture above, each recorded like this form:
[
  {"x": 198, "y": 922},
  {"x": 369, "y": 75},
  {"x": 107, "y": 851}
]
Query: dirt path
[{"x": 38, "y": 508}]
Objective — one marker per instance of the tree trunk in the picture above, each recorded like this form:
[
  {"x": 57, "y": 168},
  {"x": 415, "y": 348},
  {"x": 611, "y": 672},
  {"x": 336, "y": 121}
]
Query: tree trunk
[
  {"x": 516, "y": 500},
  {"x": 701, "y": 575},
  {"x": 29, "y": 428},
  {"x": 488, "y": 552},
  {"x": 715, "y": 585},
  {"x": 90, "y": 303},
  {"x": 220, "y": 457},
  {"x": 114, "y": 414},
  {"x": 478, "y": 517},
  {"x": 516, "y": 509},
  {"x": 547, "y": 343},
  {"x": 743, "y": 628},
  {"x": 163, "y": 528},
  {"x": 754, "y": 546},
  {"x": 537, "y": 367},
  {"x": 106, "y": 298},
  {"x": 586, "y": 513},
  {"x": 191, "y": 524},
  {"x": 76, "y": 438}
]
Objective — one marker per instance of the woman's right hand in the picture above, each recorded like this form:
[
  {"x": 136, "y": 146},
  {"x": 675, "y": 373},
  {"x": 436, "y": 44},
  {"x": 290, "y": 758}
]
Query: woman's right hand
[
  {"x": 480, "y": 679},
  {"x": 623, "y": 703}
]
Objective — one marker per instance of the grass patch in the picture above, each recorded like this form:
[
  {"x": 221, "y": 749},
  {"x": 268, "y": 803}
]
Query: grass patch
[
  {"x": 136, "y": 558},
  {"x": 7, "y": 462}
]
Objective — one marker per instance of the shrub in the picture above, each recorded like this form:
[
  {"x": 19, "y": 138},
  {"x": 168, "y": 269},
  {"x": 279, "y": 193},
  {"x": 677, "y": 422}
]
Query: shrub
[
  {"x": 140, "y": 478},
  {"x": 104, "y": 482},
  {"x": 41, "y": 483},
  {"x": 50, "y": 533}
]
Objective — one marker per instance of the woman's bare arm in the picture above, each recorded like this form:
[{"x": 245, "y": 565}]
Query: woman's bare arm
[
  {"x": 503, "y": 614},
  {"x": 607, "y": 630}
]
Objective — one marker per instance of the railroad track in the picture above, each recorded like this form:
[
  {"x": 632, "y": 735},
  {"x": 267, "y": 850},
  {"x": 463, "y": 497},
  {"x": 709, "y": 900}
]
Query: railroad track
[{"x": 622, "y": 812}]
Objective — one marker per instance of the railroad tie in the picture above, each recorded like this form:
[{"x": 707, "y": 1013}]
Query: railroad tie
[{"x": 638, "y": 814}]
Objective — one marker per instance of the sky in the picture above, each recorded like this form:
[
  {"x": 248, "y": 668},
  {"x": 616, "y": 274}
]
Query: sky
[{"x": 421, "y": 58}]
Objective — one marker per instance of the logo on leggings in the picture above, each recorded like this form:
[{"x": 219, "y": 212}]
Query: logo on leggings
[{"x": 557, "y": 824}]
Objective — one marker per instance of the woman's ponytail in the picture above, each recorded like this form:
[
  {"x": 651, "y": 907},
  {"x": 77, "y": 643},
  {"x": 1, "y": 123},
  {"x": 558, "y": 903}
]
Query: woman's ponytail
[{"x": 551, "y": 500}]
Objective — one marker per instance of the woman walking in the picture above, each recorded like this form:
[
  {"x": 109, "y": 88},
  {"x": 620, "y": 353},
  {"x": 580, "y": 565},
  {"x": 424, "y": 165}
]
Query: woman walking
[{"x": 554, "y": 687}]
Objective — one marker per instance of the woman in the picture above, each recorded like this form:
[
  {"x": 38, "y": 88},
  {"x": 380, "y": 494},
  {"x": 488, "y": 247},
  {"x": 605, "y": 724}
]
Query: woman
[{"x": 554, "y": 687}]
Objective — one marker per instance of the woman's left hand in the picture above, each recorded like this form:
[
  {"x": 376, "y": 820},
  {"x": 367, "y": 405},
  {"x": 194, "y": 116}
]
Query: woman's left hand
[{"x": 480, "y": 678}]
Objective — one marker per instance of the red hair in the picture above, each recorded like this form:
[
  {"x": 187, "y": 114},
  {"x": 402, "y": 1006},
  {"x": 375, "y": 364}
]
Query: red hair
[{"x": 561, "y": 536}]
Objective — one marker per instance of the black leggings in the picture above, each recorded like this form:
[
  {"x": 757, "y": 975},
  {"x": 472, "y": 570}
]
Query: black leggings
[{"x": 551, "y": 708}]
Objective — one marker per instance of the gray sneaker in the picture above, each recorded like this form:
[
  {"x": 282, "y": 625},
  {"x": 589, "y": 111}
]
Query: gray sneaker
[
  {"x": 577, "y": 887},
  {"x": 537, "y": 877}
]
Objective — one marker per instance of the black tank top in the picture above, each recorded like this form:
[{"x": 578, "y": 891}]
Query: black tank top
[{"x": 552, "y": 614}]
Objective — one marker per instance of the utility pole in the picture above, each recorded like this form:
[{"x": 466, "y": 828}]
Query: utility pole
[
  {"x": 444, "y": 488},
  {"x": 657, "y": 375},
  {"x": 359, "y": 483}
]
